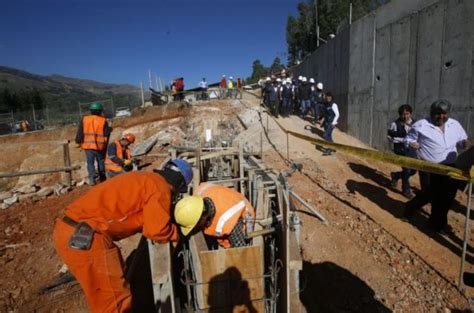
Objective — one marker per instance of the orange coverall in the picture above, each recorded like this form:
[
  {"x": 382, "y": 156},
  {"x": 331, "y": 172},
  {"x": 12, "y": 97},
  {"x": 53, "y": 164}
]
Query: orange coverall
[
  {"x": 230, "y": 207},
  {"x": 118, "y": 208}
]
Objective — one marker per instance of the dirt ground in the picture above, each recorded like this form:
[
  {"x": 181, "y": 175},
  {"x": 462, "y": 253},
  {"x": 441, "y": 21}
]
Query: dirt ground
[{"x": 366, "y": 259}]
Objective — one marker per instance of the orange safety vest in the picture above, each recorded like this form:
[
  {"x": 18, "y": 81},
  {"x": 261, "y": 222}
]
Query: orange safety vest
[
  {"x": 230, "y": 207},
  {"x": 93, "y": 130},
  {"x": 121, "y": 154},
  {"x": 130, "y": 203}
]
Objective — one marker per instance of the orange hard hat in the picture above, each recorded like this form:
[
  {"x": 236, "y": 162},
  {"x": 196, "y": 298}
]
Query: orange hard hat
[{"x": 129, "y": 137}]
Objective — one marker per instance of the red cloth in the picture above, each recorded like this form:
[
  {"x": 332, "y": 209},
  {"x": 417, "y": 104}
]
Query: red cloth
[{"x": 223, "y": 83}]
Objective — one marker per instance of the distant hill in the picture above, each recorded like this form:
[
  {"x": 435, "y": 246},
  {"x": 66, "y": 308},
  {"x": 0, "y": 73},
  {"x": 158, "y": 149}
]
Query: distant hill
[{"x": 60, "y": 92}]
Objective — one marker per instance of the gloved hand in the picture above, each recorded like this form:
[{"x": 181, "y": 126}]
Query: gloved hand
[
  {"x": 78, "y": 146},
  {"x": 127, "y": 163}
]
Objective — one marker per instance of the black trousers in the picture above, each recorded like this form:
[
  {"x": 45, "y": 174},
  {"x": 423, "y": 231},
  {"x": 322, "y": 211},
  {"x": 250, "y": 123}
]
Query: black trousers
[{"x": 440, "y": 193}]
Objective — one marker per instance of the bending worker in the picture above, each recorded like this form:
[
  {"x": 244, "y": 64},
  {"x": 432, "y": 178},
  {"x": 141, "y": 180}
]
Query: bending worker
[
  {"x": 92, "y": 136},
  {"x": 221, "y": 212},
  {"x": 116, "y": 209},
  {"x": 119, "y": 158}
]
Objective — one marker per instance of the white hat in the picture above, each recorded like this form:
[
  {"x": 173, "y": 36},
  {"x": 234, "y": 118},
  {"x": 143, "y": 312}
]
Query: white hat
[
  {"x": 319, "y": 86},
  {"x": 311, "y": 80},
  {"x": 304, "y": 80},
  {"x": 231, "y": 77},
  {"x": 300, "y": 77},
  {"x": 223, "y": 75},
  {"x": 288, "y": 81},
  {"x": 267, "y": 79},
  {"x": 279, "y": 80}
]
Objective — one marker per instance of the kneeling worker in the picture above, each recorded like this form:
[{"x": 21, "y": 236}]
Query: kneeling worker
[
  {"x": 220, "y": 212},
  {"x": 119, "y": 158},
  {"x": 116, "y": 209}
]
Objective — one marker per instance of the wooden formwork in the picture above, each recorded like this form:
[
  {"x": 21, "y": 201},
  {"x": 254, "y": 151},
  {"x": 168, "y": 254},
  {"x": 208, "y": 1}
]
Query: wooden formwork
[{"x": 257, "y": 278}]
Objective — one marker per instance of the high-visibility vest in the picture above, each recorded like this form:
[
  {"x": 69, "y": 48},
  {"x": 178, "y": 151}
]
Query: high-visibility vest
[
  {"x": 93, "y": 130},
  {"x": 121, "y": 154},
  {"x": 230, "y": 84},
  {"x": 230, "y": 206}
]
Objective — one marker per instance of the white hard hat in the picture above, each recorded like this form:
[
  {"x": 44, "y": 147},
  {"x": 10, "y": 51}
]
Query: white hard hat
[
  {"x": 279, "y": 80},
  {"x": 300, "y": 77},
  {"x": 288, "y": 81},
  {"x": 311, "y": 80},
  {"x": 304, "y": 79},
  {"x": 267, "y": 79},
  {"x": 231, "y": 77},
  {"x": 223, "y": 75},
  {"x": 319, "y": 86}
]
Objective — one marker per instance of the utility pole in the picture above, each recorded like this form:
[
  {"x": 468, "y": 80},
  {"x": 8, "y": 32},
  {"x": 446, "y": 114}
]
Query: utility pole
[
  {"x": 143, "y": 96},
  {"x": 34, "y": 114},
  {"x": 161, "y": 84},
  {"x": 317, "y": 25},
  {"x": 350, "y": 13},
  {"x": 149, "y": 78}
]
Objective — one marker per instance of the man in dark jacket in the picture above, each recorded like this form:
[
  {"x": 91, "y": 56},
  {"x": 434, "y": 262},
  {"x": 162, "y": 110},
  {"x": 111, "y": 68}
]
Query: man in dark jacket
[
  {"x": 396, "y": 134},
  {"x": 305, "y": 97}
]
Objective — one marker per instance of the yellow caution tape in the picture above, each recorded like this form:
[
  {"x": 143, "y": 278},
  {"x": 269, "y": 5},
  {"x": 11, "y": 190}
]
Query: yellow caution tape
[{"x": 377, "y": 155}]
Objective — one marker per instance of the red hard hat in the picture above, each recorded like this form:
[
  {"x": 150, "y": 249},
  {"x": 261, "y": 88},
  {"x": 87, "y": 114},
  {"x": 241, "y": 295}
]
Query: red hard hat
[{"x": 129, "y": 137}]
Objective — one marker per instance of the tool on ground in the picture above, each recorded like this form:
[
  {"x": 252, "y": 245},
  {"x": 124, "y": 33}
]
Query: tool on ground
[{"x": 262, "y": 232}]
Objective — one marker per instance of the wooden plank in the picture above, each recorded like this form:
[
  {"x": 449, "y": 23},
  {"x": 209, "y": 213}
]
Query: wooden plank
[
  {"x": 43, "y": 171},
  {"x": 232, "y": 280}
]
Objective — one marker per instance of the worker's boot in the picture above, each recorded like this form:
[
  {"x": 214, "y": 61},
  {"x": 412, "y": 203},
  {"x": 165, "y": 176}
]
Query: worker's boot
[{"x": 91, "y": 181}]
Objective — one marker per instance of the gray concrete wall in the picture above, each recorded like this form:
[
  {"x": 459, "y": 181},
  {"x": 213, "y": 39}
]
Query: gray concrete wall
[{"x": 410, "y": 51}]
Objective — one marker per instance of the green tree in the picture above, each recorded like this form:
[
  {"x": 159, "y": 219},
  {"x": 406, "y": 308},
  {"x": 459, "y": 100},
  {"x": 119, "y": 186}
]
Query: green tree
[
  {"x": 276, "y": 66},
  {"x": 258, "y": 71},
  {"x": 332, "y": 16}
]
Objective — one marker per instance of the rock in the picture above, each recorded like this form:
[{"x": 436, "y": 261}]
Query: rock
[
  {"x": 403, "y": 250},
  {"x": 81, "y": 183},
  {"x": 26, "y": 197},
  {"x": 63, "y": 269},
  {"x": 27, "y": 189},
  {"x": 64, "y": 191},
  {"x": 11, "y": 200},
  {"x": 4, "y": 206},
  {"x": 363, "y": 218},
  {"x": 45, "y": 191},
  {"x": 5, "y": 195},
  {"x": 57, "y": 189}
]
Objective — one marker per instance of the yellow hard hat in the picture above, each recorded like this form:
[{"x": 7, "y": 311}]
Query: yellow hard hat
[{"x": 187, "y": 213}]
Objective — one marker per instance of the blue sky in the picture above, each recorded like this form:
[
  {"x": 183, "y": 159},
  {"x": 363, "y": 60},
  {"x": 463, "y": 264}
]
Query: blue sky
[{"x": 117, "y": 41}]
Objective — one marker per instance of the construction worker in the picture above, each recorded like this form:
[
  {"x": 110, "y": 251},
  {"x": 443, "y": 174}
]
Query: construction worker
[
  {"x": 116, "y": 209},
  {"x": 230, "y": 87},
  {"x": 92, "y": 136},
  {"x": 119, "y": 156},
  {"x": 221, "y": 212}
]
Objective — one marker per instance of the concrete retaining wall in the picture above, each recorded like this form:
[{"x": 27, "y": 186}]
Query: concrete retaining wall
[{"x": 409, "y": 51}]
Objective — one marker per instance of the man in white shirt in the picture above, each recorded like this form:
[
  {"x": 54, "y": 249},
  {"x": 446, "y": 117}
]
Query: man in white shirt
[{"x": 436, "y": 139}]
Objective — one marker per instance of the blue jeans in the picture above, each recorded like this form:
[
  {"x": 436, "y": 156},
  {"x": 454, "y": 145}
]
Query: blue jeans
[
  {"x": 92, "y": 156},
  {"x": 405, "y": 173},
  {"x": 305, "y": 106},
  {"x": 286, "y": 109},
  {"x": 328, "y": 132}
]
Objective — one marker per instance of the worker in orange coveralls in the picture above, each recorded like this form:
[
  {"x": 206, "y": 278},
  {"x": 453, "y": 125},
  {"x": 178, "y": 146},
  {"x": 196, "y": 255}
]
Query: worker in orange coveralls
[
  {"x": 116, "y": 209},
  {"x": 220, "y": 212}
]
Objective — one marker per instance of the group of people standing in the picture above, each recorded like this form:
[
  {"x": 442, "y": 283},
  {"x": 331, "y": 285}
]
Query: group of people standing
[
  {"x": 228, "y": 88},
  {"x": 285, "y": 96}
]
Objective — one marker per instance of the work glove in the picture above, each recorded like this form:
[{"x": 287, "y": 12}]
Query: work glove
[{"x": 127, "y": 163}]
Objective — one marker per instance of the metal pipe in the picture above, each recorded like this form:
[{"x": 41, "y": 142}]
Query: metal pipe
[
  {"x": 466, "y": 237},
  {"x": 309, "y": 207}
]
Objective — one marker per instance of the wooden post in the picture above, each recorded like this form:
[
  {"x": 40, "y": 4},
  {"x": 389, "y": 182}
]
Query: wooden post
[
  {"x": 241, "y": 167},
  {"x": 142, "y": 94},
  {"x": 67, "y": 163},
  {"x": 466, "y": 237}
]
